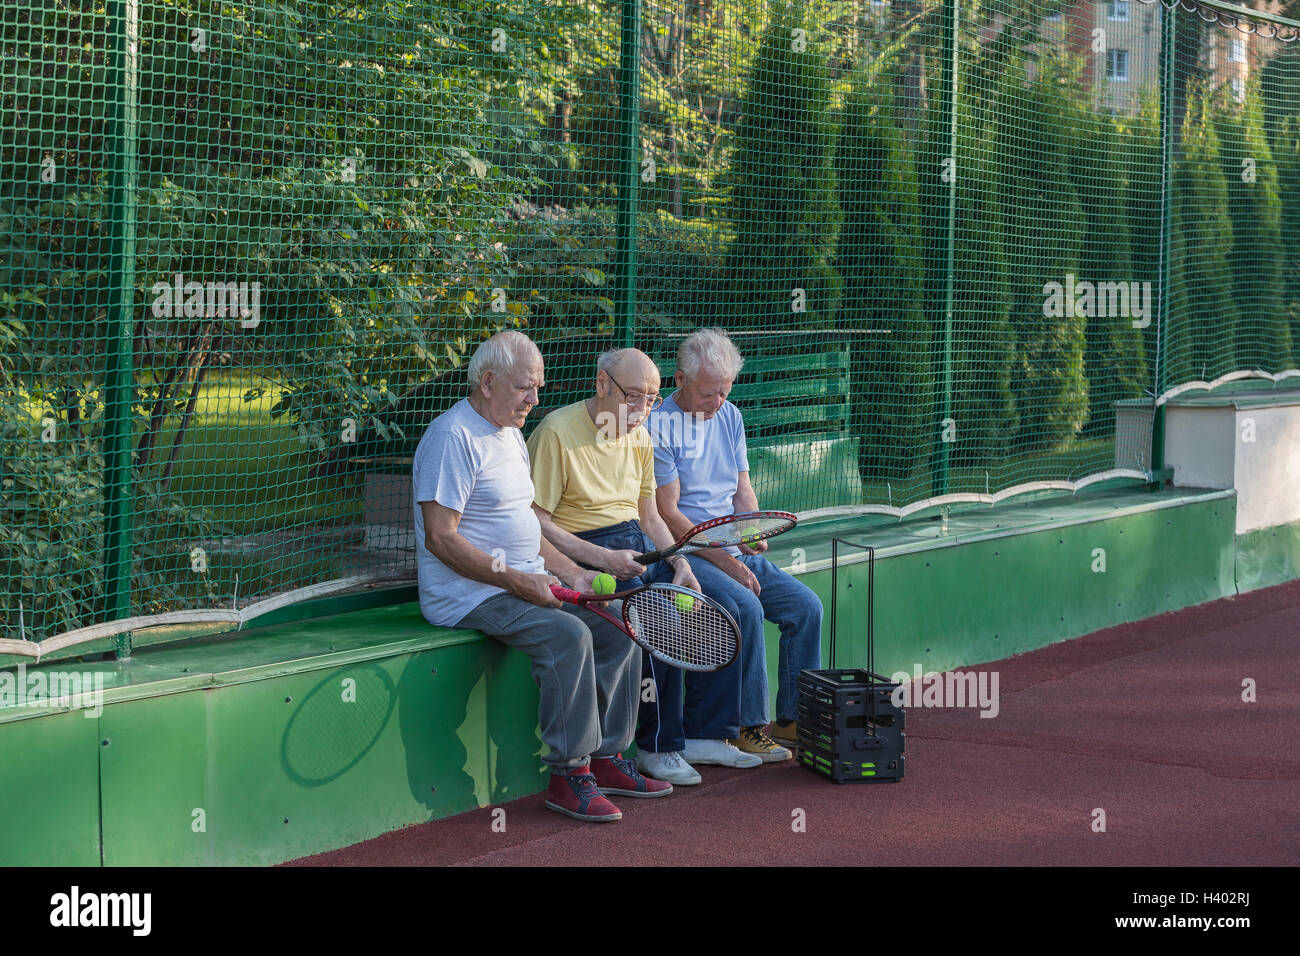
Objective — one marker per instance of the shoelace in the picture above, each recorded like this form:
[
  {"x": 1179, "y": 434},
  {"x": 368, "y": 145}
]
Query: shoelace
[
  {"x": 755, "y": 735},
  {"x": 673, "y": 759},
  {"x": 625, "y": 765},
  {"x": 584, "y": 784}
]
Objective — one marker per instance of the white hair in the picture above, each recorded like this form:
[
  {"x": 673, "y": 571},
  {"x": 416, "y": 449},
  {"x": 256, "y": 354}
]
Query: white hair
[
  {"x": 608, "y": 360},
  {"x": 709, "y": 349},
  {"x": 501, "y": 353}
]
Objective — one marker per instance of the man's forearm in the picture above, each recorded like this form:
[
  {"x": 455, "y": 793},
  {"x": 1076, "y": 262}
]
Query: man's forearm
[
  {"x": 678, "y": 524},
  {"x": 570, "y": 545},
  {"x": 456, "y": 552},
  {"x": 653, "y": 524},
  {"x": 744, "y": 501},
  {"x": 558, "y": 563}
]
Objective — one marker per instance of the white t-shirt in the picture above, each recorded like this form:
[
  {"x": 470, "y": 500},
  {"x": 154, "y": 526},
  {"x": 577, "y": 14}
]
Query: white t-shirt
[{"x": 467, "y": 464}]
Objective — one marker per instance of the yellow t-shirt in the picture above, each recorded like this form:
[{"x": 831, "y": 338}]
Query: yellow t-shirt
[{"x": 584, "y": 479}]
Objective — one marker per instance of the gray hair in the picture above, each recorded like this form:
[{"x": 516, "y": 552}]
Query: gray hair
[
  {"x": 711, "y": 349},
  {"x": 501, "y": 353},
  {"x": 607, "y": 360}
]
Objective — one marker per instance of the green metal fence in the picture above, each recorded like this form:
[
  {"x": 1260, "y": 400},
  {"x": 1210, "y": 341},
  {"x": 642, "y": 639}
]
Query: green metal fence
[{"x": 248, "y": 245}]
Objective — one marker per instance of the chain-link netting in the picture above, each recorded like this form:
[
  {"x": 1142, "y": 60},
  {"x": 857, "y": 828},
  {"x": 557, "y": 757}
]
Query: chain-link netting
[{"x": 248, "y": 246}]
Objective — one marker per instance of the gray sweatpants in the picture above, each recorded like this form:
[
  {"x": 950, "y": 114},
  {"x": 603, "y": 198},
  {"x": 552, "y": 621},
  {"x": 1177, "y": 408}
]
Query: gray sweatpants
[{"x": 587, "y": 670}]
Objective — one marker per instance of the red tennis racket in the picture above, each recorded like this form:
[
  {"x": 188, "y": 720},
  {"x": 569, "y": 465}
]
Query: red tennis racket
[
  {"x": 725, "y": 532},
  {"x": 678, "y": 626}
]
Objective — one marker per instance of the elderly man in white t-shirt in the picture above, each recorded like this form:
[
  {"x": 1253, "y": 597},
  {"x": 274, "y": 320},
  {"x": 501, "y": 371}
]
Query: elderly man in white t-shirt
[{"x": 484, "y": 564}]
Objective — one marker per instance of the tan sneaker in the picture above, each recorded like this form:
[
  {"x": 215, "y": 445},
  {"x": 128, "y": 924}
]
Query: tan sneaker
[
  {"x": 754, "y": 741},
  {"x": 785, "y": 733}
]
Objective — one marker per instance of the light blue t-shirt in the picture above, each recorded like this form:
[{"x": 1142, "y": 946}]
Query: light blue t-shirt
[
  {"x": 467, "y": 464},
  {"x": 705, "y": 456}
]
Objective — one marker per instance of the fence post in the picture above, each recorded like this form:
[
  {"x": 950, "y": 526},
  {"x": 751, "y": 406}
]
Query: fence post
[
  {"x": 1168, "y": 63},
  {"x": 950, "y": 53},
  {"x": 119, "y": 385},
  {"x": 629, "y": 88}
]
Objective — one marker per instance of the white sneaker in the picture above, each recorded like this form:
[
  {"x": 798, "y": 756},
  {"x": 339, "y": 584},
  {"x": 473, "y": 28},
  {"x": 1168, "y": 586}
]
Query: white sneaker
[
  {"x": 667, "y": 766},
  {"x": 719, "y": 753}
]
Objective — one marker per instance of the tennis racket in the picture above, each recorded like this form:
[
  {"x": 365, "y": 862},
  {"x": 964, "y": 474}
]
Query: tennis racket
[
  {"x": 725, "y": 532},
  {"x": 676, "y": 625}
]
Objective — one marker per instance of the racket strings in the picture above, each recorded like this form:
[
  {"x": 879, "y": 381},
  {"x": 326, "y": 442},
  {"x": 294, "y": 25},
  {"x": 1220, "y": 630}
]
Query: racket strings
[
  {"x": 698, "y": 638},
  {"x": 741, "y": 532}
]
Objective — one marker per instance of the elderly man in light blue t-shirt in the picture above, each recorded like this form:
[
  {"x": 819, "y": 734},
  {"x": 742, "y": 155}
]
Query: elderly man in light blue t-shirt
[
  {"x": 702, "y": 472},
  {"x": 484, "y": 564}
]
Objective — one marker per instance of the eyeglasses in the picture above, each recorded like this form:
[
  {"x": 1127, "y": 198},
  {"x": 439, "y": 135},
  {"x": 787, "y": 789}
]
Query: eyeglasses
[{"x": 636, "y": 399}]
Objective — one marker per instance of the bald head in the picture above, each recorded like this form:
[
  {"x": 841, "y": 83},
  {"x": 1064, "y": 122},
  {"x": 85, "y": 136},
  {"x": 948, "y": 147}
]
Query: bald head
[
  {"x": 632, "y": 364},
  {"x": 623, "y": 376}
]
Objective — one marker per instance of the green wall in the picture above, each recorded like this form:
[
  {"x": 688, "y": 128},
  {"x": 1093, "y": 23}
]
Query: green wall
[{"x": 356, "y": 724}]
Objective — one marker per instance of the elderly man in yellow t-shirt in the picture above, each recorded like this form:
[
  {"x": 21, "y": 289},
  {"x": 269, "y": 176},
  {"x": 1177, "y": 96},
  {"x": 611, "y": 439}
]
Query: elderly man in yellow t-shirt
[{"x": 592, "y": 466}]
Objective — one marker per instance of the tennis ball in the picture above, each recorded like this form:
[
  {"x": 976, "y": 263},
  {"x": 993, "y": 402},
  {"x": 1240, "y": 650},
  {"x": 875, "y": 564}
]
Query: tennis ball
[
  {"x": 685, "y": 603},
  {"x": 603, "y": 584}
]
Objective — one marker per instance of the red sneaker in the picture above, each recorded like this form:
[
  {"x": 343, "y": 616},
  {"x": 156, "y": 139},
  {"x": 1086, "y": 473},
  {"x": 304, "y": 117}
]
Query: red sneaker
[
  {"x": 618, "y": 775},
  {"x": 575, "y": 793}
]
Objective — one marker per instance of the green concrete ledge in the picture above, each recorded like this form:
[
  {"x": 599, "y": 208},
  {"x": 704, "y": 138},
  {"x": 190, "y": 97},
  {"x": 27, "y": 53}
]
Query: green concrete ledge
[
  {"x": 234, "y": 658},
  {"x": 269, "y": 744},
  {"x": 1268, "y": 556}
]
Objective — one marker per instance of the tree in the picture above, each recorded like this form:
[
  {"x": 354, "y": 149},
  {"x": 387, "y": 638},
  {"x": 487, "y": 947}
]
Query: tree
[
  {"x": 781, "y": 183},
  {"x": 1257, "y": 257},
  {"x": 878, "y": 259},
  {"x": 1139, "y": 145},
  {"x": 984, "y": 409},
  {"x": 337, "y": 157},
  {"x": 1041, "y": 222},
  {"x": 1114, "y": 356},
  {"x": 1202, "y": 327},
  {"x": 1287, "y": 153}
]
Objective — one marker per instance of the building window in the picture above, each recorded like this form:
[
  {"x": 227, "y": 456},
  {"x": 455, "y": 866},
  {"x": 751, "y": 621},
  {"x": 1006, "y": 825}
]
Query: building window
[
  {"x": 1238, "y": 89},
  {"x": 1238, "y": 54},
  {"x": 1118, "y": 10},
  {"x": 1117, "y": 65}
]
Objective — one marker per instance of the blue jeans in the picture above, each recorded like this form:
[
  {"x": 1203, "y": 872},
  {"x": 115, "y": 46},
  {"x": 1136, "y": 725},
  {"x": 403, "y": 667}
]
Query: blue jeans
[
  {"x": 711, "y": 708},
  {"x": 793, "y": 607}
]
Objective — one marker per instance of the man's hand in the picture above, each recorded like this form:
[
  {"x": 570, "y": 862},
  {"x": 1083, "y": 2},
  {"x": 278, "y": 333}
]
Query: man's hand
[
  {"x": 582, "y": 581},
  {"x": 623, "y": 564},
  {"x": 683, "y": 577},
  {"x": 742, "y": 575},
  {"x": 536, "y": 589},
  {"x": 758, "y": 547}
]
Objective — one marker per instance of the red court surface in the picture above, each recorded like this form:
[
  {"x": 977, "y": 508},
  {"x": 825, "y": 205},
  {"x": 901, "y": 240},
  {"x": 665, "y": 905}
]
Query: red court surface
[{"x": 1145, "y": 721}]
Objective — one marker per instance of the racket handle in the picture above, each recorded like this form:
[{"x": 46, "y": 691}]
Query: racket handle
[{"x": 564, "y": 594}]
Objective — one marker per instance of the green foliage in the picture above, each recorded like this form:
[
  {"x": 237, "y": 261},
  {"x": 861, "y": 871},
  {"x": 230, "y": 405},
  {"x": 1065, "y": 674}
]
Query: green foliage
[
  {"x": 1139, "y": 147},
  {"x": 51, "y": 531},
  {"x": 1201, "y": 334},
  {"x": 1114, "y": 356},
  {"x": 1286, "y": 151},
  {"x": 781, "y": 183},
  {"x": 1257, "y": 258},
  {"x": 879, "y": 259},
  {"x": 1042, "y": 224},
  {"x": 983, "y": 352},
  {"x": 1279, "y": 89}
]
